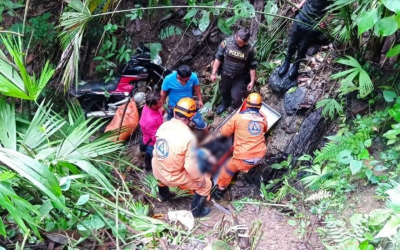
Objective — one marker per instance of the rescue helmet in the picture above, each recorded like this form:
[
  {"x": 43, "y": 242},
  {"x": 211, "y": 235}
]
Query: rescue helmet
[
  {"x": 254, "y": 100},
  {"x": 186, "y": 107}
]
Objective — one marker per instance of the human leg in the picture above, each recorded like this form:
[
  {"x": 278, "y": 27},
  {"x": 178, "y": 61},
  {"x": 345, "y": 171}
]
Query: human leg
[
  {"x": 170, "y": 113},
  {"x": 225, "y": 87},
  {"x": 148, "y": 155},
  {"x": 305, "y": 43},
  {"x": 238, "y": 85},
  {"x": 199, "y": 121},
  {"x": 294, "y": 41}
]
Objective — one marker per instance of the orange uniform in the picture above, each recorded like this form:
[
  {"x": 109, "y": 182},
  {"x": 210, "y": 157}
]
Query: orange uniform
[
  {"x": 248, "y": 128},
  {"x": 175, "y": 159}
]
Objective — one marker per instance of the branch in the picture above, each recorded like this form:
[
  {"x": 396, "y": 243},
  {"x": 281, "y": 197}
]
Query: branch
[{"x": 11, "y": 32}]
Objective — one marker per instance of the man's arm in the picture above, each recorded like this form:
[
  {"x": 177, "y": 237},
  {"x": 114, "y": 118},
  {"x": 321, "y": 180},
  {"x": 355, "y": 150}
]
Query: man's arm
[
  {"x": 191, "y": 164},
  {"x": 163, "y": 96},
  {"x": 197, "y": 90},
  {"x": 253, "y": 67},
  {"x": 219, "y": 57},
  {"x": 229, "y": 128}
]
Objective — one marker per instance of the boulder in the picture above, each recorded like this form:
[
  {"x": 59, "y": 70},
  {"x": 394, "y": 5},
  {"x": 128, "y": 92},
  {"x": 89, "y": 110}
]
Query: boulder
[
  {"x": 281, "y": 84},
  {"x": 294, "y": 100}
]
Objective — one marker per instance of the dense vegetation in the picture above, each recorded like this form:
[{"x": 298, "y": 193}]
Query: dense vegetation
[{"x": 58, "y": 175}]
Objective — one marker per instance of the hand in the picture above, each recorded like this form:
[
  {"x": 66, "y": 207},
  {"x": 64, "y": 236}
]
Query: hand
[
  {"x": 200, "y": 104},
  {"x": 322, "y": 25},
  {"x": 250, "y": 86},
  {"x": 213, "y": 77}
]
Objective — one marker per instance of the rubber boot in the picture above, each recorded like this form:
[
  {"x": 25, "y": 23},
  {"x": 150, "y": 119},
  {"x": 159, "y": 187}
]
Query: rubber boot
[
  {"x": 198, "y": 206},
  {"x": 218, "y": 194},
  {"x": 285, "y": 66},
  {"x": 221, "y": 108},
  {"x": 147, "y": 162},
  {"x": 294, "y": 71},
  {"x": 164, "y": 193}
]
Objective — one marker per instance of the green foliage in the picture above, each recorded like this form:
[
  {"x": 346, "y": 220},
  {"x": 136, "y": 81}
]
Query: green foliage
[
  {"x": 170, "y": 31},
  {"x": 42, "y": 31},
  {"x": 155, "y": 48},
  {"x": 364, "y": 83},
  {"x": 8, "y": 6},
  {"x": 330, "y": 107},
  {"x": 14, "y": 77},
  {"x": 135, "y": 14}
]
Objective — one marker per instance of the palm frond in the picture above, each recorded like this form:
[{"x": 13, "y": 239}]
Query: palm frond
[
  {"x": 42, "y": 127},
  {"x": 35, "y": 172},
  {"x": 16, "y": 82},
  {"x": 8, "y": 138}
]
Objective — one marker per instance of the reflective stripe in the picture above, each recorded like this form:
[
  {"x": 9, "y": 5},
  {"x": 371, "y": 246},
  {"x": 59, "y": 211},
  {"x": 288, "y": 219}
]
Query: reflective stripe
[
  {"x": 228, "y": 170},
  {"x": 253, "y": 161}
]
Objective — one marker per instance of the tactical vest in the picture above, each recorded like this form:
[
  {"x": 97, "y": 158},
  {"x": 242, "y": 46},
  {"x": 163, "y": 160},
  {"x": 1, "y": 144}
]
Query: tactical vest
[{"x": 235, "y": 58}]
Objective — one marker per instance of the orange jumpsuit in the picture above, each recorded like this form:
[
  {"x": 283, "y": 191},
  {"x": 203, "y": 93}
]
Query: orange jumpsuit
[
  {"x": 249, "y": 127},
  {"x": 175, "y": 159}
]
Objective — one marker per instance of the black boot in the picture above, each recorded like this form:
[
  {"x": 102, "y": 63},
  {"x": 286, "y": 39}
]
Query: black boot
[
  {"x": 285, "y": 66},
  {"x": 294, "y": 70},
  {"x": 198, "y": 206},
  {"x": 221, "y": 108},
  {"x": 218, "y": 194},
  {"x": 164, "y": 193},
  {"x": 147, "y": 162}
]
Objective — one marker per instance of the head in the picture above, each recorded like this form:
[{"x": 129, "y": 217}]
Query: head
[
  {"x": 242, "y": 37},
  {"x": 184, "y": 74},
  {"x": 153, "y": 101},
  {"x": 185, "y": 109},
  {"x": 254, "y": 101}
]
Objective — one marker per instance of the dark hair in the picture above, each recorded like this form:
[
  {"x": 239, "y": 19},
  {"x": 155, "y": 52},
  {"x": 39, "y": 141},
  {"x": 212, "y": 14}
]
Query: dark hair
[
  {"x": 184, "y": 71},
  {"x": 243, "y": 34},
  {"x": 181, "y": 116},
  {"x": 152, "y": 99}
]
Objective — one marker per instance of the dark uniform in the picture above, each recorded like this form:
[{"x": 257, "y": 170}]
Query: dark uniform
[
  {"x": 236, "y": 65},
  {"x": 303, "y": 36}
]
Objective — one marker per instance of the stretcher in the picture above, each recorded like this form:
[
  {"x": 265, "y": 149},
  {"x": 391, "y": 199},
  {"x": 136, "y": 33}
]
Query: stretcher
[{"x": 221, "y": 148}]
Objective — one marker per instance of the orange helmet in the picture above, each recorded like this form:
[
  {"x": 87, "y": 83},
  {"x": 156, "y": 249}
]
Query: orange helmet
[
  {"x": 254, "y": 100},
  {"x": 186, "y": 106}
]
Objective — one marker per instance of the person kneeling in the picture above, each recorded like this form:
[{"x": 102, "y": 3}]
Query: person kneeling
[
  {"x": 248, "y": 127},
  {"x": 175, "y": 158}
]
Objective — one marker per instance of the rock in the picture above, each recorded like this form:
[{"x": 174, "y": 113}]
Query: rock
[
  {"x": 308, "y": 135},
  {"x": 196, "y": 32},
  {"x": 281, "y": 84},
  {"x": 217, "y": 121},
  {"x": 358, "y": 106},
  {"x": 293, "y": 100}
]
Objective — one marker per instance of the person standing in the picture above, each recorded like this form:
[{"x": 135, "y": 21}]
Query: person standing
[
  {"x": 150, "y": 121},
  {"x": 248, "y": 128},
  {"x": 303, "y": 34},
  {"x": 236, "y": 55},
  {"x": 179, "y": 84},
  {"x": 175, "y": 161}
]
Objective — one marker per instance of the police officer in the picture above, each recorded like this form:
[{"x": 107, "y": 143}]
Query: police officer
[
  {"x": 303, "y": 36},
  {"x": 236, "y": 55}
]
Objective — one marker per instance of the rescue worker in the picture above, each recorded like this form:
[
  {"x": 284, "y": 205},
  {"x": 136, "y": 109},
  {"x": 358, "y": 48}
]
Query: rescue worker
[
  {"x": 248, "y": 127},
  {"x": 175, "y": 158},
  {"x": 236, "y": 55},
  {"x": 303, "y": 36}
]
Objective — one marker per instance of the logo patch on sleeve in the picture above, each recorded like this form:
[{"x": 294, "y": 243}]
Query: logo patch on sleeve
[
  {"x": 162, "y": 148},
  {"x": 254, "y": 128}
]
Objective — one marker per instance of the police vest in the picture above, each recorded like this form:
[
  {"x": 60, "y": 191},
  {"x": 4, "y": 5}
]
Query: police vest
[{"x": 235, "y": 58}]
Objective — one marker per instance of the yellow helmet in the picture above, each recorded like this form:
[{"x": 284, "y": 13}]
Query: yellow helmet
[
  {"x": 254, "y": 100},
  {"x": 186, "y": 106}
]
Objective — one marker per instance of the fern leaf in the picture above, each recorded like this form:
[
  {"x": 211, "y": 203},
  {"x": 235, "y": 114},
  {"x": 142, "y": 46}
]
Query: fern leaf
[
  {"x": 170, "y": 31},
  {"x": 329, "y": 151},
  {"x": 365, "y": 84},
  {"x": 330, "y": 107},
  {"x": 319, "y": 196}
]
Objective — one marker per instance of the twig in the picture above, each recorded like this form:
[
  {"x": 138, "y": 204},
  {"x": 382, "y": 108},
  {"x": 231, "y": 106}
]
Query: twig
[
  {"x": 235, "y": 223},
  {"x": 163, "y": 244},
  {"x": 261, "y": 203}
]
